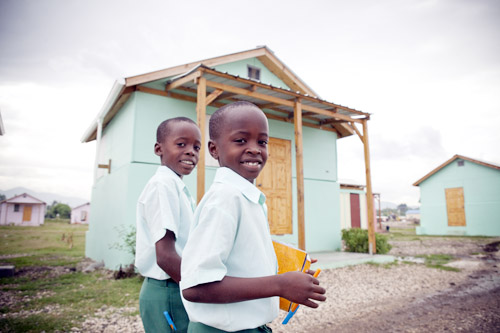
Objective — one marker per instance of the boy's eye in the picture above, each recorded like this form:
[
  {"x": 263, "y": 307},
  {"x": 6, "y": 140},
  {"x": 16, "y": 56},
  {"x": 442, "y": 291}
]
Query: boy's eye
[
  {"x": 181, "y": 144},
  {"x": 263, "y": 142},
  {"x": 240, "y": 140},
  {"x": 197, "y": 148}
]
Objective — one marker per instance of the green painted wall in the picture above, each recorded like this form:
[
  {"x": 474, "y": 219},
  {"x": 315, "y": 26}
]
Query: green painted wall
[
  {"x": 240, "y": 68},
  {"x": 321, "y": 189},
  {"x": 481, "y": 187},
  {"x": 235, "y": 68},
  {"x": 129, "y": 141},
  {"x": 109, "y": 193}
]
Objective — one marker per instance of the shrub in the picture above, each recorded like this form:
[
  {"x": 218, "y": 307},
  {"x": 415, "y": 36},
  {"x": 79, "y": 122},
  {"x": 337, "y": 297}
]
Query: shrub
[
  {"x": 127, "y": 235},
  {"x": 356, "y": 240}
]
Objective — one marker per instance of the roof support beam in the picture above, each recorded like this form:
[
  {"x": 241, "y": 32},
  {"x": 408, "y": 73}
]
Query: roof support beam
[
  {"x": 329, "y": 113},
  {"x": 201, "y": 110},
  {"x": 245, "y": 92},
  {"x": 181, "y": 81},
  {"x": 213, "y": 96},
  {"x": 299, "y": 167},
  {"x": 372, "y": 246},
  {"x": 353, "y": 126}
]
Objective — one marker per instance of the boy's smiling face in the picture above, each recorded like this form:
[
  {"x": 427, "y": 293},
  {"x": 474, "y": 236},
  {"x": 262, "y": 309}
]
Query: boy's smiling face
[
  {"x": 242, "y": 143},
  {"x": 180, "y": 148}
]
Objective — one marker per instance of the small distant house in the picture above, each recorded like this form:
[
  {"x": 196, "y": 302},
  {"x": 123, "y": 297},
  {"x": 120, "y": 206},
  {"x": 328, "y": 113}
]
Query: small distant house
[
  {"x": 460, "y": 197},
  {"x": 80, "y": 214},
  {"x": 413, "y": 215},
  {"x": 300, "y": 177},
  {"x": 23, "y": 209},
  {"x": 353, "y": 206}
]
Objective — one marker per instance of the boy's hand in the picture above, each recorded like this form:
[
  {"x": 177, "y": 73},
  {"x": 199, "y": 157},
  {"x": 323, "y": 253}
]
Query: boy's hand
[{"x": 301, "y": 288}]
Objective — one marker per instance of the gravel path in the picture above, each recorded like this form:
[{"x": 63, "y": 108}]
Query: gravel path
[
  {"x": 370, "y": 298},
  {"x": 401, "y": 297}
]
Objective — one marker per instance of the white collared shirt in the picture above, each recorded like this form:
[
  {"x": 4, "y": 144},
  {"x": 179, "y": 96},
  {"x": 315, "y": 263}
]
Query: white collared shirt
[
  {"x": 230, "y": 236},
  {"x": 164, "y": 204}
]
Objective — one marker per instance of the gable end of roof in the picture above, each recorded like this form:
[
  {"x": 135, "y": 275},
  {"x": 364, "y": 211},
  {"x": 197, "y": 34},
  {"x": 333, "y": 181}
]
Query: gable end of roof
[{"x": 456, "y": 157}]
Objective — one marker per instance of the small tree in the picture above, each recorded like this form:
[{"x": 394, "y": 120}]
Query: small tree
[
  {"x": 402, "y": 208},
  {"x": 58, "y": 209},
  {"x": 127, "y": 235},
  {"x": 2, "y": 197}
]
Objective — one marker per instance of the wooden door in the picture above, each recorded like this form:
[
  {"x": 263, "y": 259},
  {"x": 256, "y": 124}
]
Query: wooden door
[
  {"x": 455, "y": 207},
  {"x": 27, "y": 214},
  {"x": 355, "y": 213},
  {"x": 275, "y": 181}
]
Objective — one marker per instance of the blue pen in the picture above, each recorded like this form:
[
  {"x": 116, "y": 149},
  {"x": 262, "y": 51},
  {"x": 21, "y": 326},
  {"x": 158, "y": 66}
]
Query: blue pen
[
  {"x": 289, "y": 316},
  {"x": 170, "y": 321}
]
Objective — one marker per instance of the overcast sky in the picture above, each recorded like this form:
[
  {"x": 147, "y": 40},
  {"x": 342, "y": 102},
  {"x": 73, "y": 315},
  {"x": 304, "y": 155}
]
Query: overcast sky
[{"x": 427, "y": 70}]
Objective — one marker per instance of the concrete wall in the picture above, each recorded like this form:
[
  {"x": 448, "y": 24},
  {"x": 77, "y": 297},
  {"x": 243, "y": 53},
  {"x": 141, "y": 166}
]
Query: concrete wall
[{"x": 481, "y": 187}]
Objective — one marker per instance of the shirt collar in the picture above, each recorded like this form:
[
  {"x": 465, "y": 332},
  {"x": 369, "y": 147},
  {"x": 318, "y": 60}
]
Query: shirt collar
[
  {"x": 178, "y": 180},
  {"x": 165, "y": 169},
  {"x": 227, "y": 176}
]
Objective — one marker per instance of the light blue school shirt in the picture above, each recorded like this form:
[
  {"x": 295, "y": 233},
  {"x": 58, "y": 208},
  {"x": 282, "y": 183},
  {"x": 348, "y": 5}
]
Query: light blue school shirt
[
  {"x": 230, "y": 236},
  {"x": 164, "y": 204}
]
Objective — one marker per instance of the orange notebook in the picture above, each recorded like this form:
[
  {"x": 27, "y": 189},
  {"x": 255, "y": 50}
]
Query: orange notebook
[{"x": 290, "y": 259}]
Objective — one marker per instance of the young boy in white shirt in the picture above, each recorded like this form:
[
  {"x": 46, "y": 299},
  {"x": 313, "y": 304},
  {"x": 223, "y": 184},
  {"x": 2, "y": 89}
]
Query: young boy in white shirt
[
  {"x": 229, "y": 267},
  {"x": 164, "y": 216}
]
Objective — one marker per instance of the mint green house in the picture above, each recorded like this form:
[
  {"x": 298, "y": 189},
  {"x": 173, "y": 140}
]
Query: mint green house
[
  {"x": 299, "y": 180},
  {"x": 460, "y": 197}
]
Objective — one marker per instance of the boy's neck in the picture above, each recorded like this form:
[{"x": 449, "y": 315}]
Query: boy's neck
[{"x": 180, "y": 176}]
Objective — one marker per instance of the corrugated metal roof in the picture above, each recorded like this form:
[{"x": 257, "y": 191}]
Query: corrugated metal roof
[{"x": 286, "y": 94}]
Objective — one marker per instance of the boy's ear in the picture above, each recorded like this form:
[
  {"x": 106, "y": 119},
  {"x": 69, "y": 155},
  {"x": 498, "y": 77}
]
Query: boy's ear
[
  {"x": 212, "y": 149},
  {"x": 158, "y": 149}
]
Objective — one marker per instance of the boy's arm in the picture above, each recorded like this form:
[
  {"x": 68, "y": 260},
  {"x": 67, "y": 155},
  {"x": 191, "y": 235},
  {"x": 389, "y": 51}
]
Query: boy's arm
[
  {"x": 297, "y": 287},
  {"x": 167, "y": 257}
]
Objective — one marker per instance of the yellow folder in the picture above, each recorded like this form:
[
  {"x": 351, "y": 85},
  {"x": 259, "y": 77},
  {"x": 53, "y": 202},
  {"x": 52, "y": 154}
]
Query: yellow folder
[{"x": 290, "y": 259}]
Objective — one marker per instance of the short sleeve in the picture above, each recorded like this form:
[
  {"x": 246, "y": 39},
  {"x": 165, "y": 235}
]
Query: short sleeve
[
  {"x": 209, "y": 245},
  {"x": 162, "y": 211}
]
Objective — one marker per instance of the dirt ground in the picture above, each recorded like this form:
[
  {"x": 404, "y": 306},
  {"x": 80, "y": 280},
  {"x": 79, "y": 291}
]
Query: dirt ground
[
  {"x": 408, "y": 297},
  {"x": 471, "y": 306},
  {"x": 403, "y": 297}
]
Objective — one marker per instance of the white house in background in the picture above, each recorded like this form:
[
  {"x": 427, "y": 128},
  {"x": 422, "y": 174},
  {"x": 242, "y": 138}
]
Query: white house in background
[
  {"x": 81, "y": 214},
  {"x": 353, "y": 206},
  {"x": 23, "y": 210}
]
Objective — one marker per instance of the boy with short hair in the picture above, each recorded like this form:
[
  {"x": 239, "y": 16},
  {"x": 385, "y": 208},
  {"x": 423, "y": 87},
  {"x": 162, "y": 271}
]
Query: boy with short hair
[
  {"x": 164, "y": 216},
  {"x": 229, "y": 280}
]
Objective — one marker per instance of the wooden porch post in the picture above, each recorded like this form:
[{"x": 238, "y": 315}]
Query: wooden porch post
[
  {"x": 201, "y": 110},
  {"x": 299, "y": 166},
  {"x": 369, "y": 194}
]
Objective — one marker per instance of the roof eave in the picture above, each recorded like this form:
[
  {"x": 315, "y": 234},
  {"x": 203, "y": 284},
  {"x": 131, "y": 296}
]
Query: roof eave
[
  {"x": 455, "y": 157},
  {"x": 113, "y": 96}
]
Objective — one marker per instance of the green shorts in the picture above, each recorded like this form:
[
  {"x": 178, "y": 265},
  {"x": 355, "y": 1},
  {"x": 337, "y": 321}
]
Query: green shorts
[
  {"x": 202, "y": 328},
  {"x": 156, "y": 297}
]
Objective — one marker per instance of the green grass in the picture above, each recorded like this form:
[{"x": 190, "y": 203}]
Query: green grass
[
  {"x": 409, "y": 234},
  {"x": 439, "y": 261},
  {"x": 71, "y": 296},
  {"x": 386, "y": 265}
]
